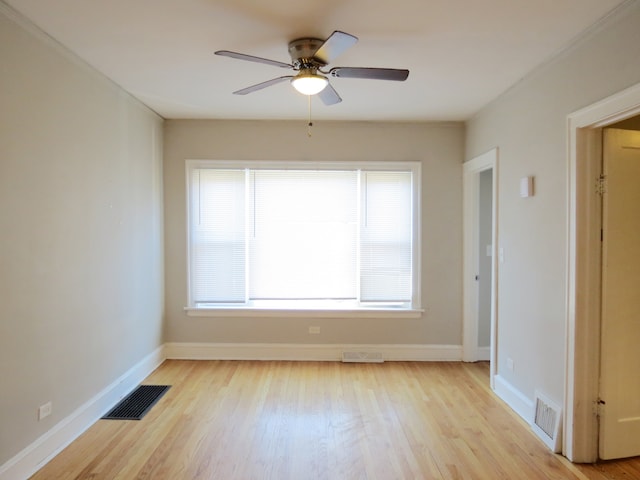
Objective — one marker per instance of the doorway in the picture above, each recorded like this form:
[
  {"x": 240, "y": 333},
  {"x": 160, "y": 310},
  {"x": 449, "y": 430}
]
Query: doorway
[
  {"x": 480, "y": 267},
  {"x": 581, "y": 425},
  {"x": 619, "y": 396},
  {"x": 485, "y": 255}
]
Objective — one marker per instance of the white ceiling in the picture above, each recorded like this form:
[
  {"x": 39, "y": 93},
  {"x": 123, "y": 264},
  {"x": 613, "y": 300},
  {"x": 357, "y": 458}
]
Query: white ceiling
[{"x": 461, "y": 53}]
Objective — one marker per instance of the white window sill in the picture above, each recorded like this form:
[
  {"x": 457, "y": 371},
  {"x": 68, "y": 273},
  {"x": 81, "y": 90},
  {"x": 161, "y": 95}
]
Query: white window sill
[{"x": 309, "y": 313}]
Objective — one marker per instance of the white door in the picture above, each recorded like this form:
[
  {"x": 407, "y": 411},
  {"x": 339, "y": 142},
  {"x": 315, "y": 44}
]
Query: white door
[{"x": 620, "y": 348}]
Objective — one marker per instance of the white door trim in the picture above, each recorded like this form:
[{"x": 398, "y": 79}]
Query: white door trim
[
  {"x": 471, "y": 182},
  {"x": 580, "y": 441}
]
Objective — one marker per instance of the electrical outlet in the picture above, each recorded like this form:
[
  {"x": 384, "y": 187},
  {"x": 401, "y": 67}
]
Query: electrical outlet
[
  {"x": 510, "y": 364},
  {"x": 314, "y": 330},
  {"x": 45, "y": 410}
]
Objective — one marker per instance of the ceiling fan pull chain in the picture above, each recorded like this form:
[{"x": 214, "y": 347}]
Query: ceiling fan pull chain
[{"x": 310, "y": 124}]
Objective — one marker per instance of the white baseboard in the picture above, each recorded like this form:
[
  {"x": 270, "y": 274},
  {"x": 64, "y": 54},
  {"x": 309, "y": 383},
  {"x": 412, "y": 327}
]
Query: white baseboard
[
  {"x": 36, "y": 455},
  {"x": 513, "y": 397},
  {"x": 308, "y": 352},
  {"x": 484, "y": 354}
]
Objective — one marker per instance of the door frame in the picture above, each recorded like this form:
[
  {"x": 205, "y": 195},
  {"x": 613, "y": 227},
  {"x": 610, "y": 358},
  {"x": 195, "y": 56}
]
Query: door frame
[
  {"x": 582, "y": 363},
  {"x": 471, "y": 223}
]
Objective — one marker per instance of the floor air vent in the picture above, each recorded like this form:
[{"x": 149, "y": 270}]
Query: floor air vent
[
  {"x": 546, "y": 422},
  {"x": 136, "y": 405},
  {"x": 363, "y": 357}
]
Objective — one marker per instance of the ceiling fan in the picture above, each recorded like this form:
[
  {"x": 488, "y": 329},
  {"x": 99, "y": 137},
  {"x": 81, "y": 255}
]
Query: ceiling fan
[{"x": 309, "y": 58}]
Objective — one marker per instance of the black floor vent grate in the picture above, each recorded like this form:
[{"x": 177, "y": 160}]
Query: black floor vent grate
[{"x": 136, "y": 405}]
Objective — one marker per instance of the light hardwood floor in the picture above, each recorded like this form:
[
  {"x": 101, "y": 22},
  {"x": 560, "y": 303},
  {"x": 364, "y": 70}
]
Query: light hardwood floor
[{"x": 321, "y": 420}]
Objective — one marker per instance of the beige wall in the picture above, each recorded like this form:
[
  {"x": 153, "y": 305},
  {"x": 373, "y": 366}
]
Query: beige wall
[
  {"x": 81, "y": 276},
  {"x": 438, "y": 146},
  {"x": 528, "y": 124}
]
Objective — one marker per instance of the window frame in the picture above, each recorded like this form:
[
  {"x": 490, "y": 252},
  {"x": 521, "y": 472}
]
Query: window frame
[{"x": 414, "y": 311}]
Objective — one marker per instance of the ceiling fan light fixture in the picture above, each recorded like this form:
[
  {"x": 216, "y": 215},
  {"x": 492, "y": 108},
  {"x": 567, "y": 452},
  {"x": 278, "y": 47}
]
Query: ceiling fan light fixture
[{"x": 309, "y": 83}]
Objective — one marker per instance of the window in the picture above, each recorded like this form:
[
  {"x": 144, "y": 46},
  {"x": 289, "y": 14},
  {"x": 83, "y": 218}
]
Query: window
[{"x": 303, "y": 236}]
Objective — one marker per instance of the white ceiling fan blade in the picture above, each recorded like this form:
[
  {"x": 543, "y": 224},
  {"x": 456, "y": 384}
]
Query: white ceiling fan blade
[
  {"x": 334, "y": 46},
  {"x": 251, "y": 58},
  {"x": 329, "y": 96},
  {"x": 260, "y": 86},
  {"x": 395, "y": 74}
]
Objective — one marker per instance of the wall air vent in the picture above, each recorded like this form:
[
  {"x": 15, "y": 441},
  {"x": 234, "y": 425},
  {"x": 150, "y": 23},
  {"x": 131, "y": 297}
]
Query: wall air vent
[{"x": 547, "y": 421}]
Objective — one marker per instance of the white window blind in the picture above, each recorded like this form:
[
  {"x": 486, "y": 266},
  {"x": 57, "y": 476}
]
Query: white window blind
[
  {"x": 302, "y": 238},
  {"x": 217, "y": 248},
  {"x": 386, "y": 235}
]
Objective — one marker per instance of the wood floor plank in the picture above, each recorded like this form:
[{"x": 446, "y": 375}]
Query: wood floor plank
[{"x": 321, "y": 420}]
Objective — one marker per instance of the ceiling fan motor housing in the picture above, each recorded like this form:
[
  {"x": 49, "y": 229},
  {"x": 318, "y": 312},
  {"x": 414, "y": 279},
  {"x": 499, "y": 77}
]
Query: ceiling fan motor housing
[{"x": 302, "y": 51}]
